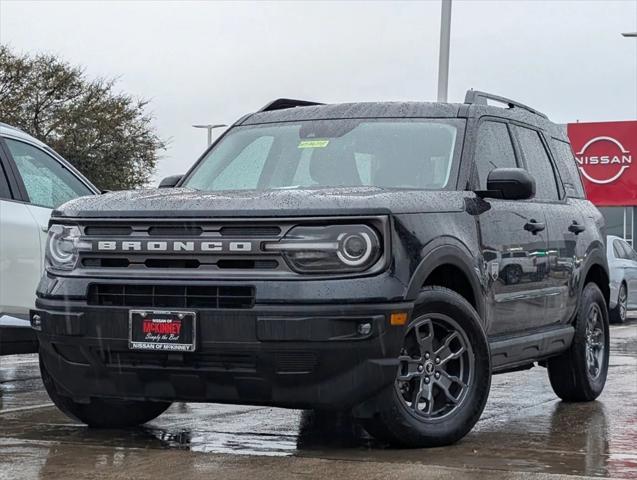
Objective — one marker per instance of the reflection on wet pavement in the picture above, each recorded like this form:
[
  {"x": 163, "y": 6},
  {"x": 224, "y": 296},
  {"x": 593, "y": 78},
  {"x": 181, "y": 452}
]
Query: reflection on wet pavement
[{"x": 524, "y": 429}]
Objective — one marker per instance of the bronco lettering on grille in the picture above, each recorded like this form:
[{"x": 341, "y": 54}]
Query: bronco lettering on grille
[{"x": 171, "y": 246}]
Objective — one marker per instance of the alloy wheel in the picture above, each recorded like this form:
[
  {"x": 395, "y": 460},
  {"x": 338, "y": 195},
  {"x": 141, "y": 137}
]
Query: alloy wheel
[
  {"x": 623, "y": 303},
  {"x": 594, "y": 342},
  {"x": 436, "y": 369}
]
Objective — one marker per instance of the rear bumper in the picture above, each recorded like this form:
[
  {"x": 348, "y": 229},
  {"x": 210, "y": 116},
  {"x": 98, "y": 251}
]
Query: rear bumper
[{"x": 298, "y": 356}]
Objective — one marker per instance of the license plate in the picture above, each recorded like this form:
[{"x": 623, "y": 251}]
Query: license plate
[{"x": 168, "y": 331}]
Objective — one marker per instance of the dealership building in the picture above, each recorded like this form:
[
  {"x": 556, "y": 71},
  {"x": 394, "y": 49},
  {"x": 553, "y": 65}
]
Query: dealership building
[{"x": 606, "y": 155}]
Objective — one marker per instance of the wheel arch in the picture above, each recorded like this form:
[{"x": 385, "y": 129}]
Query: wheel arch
[
  {"x": 452, "y": 267},
  {"x": 597, "y": 272}
]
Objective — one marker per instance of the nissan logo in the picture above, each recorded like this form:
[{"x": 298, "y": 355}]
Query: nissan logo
[{"x": 603, "y": 168}]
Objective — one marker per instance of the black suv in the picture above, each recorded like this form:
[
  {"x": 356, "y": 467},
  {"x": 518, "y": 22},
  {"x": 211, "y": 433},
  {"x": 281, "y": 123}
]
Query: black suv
[{"x": 379, "y": 258}]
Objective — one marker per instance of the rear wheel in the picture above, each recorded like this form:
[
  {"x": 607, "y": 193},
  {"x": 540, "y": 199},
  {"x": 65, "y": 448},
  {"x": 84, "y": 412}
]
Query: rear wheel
[
  {"x": 579, "y": 374},
  {"x": 102, "y": 413},
  {"x": 443, "y": 379},
  {"x": 619, "y": 313}
]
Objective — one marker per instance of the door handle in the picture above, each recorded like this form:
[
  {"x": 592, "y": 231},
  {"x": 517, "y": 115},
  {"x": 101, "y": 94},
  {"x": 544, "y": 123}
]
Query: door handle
[
  {"x": 576, "y": 228},
  {"x": 534, "y": 226}
]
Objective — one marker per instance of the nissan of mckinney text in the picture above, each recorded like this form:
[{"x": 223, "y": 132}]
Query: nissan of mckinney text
[{"x": 383, "y": 259}]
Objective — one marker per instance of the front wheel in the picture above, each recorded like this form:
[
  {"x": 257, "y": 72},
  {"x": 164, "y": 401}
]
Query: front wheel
[
  {"x": 443, "y": 379},
  {"x": 579, "y": 374},
  {"x": 102, "y": 413}
]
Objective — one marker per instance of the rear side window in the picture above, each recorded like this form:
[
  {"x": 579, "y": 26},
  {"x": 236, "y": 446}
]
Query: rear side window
[
  {"x": 494, "y": 149},
  {"x": 568, "y": 168},
  {"x": 538, "y": 163}
]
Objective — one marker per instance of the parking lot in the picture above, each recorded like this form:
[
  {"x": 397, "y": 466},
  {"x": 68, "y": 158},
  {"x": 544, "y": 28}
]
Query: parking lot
[{"x": 525, "y": 432}]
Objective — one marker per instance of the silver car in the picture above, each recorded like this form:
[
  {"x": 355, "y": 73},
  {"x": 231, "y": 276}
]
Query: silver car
[{"x": 622, "y": 263}]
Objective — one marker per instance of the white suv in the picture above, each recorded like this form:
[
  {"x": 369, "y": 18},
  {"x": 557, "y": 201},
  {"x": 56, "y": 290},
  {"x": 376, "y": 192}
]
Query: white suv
[{"x": 33, "y": 181}]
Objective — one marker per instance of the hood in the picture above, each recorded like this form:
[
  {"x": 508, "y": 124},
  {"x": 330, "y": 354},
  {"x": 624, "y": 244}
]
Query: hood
[{"x": 183, "y": 202}]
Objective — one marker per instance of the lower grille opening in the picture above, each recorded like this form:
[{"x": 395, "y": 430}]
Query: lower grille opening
[
  {"x": 171, "y": 263},
  {"x": 171, "y": 296},
  {"x": 248, "y": 264},
  {"x": 295, "y": 362}
]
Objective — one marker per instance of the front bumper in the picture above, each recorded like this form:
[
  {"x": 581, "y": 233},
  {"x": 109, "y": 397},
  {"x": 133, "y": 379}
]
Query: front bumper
[{"x": 297, "y": 356}]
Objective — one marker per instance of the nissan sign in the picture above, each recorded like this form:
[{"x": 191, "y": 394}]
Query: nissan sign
[{"x": 606, "y": 155}]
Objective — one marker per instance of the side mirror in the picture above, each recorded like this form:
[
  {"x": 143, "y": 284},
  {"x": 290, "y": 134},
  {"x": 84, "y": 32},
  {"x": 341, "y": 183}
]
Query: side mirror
[
  {"x": 509, "y": 184},
  {"x": 170, "y": 182}
]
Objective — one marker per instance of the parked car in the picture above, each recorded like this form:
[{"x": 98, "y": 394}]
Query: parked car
[
  {"x": 622, "y": 263},
  {"x": 334, "y": 257},
  {"x": 33, "y": 181}
]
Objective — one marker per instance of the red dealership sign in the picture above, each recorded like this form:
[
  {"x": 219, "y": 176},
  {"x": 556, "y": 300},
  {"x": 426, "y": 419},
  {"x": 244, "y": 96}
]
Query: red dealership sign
[{"x": 606, "y": 155}]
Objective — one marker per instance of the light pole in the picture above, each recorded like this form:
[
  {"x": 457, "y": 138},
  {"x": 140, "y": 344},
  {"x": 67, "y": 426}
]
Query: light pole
[
  {"x": 443, "y": 61},
  {"x": 210, "y": 127}
]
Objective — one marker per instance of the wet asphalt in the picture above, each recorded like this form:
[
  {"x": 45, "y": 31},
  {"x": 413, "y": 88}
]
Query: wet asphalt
[{"x": 525, "y": 432}]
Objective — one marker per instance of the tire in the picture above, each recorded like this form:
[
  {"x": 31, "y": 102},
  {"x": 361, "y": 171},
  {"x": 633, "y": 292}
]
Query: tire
[
  {"x": 619, "y": 313},
  {"x": 102, "y": 413},
  {"x": 579, "y": 374},
  {"x": 512, "y": 275},
  {"x": 403, "y": 422}
]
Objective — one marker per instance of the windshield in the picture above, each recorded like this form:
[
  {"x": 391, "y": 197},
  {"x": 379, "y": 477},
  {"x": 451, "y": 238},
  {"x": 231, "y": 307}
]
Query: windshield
[{"x": 331, "y": 153}]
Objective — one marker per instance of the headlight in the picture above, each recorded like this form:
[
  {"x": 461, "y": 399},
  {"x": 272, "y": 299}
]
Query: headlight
[
  {"x": 331, "y": 249},
  {"x": 63, "y": 246}
]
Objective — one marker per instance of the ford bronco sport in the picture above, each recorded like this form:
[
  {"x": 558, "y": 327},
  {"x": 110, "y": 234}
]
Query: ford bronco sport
[{"x": 335, "y": 257}]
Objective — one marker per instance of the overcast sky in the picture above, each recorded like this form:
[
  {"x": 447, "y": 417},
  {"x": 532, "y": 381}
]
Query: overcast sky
[{"x": 211, "y": 62}]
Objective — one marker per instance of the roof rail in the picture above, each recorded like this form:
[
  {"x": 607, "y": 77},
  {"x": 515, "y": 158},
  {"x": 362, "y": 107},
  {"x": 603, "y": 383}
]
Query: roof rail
[
  {"x": 477, "y": 97},
  {"x": 283, "y": 103}
]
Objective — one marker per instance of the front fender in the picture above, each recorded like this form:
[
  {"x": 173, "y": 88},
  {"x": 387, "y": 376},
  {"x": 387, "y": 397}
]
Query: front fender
[{"x": 448, "y": 251}]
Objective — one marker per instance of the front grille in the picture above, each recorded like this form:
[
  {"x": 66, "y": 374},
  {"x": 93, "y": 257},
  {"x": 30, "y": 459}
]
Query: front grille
[
  {"x": 197, "y": 248},
  {"x": 171, "y": 296},
  {"x": 188, "y": 256}
]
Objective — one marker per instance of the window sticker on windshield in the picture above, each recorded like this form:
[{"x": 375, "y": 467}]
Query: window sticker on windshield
[{"x": 313, "y": 143}]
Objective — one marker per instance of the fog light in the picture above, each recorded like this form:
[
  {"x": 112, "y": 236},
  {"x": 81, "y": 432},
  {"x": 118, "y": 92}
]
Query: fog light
[
  {"x": 398, "y": 318},
  {"x": 364, "y": 328}
]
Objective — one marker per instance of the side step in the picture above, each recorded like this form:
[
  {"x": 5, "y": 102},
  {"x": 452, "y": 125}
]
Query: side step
[{"x": 510, "y": 352}]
